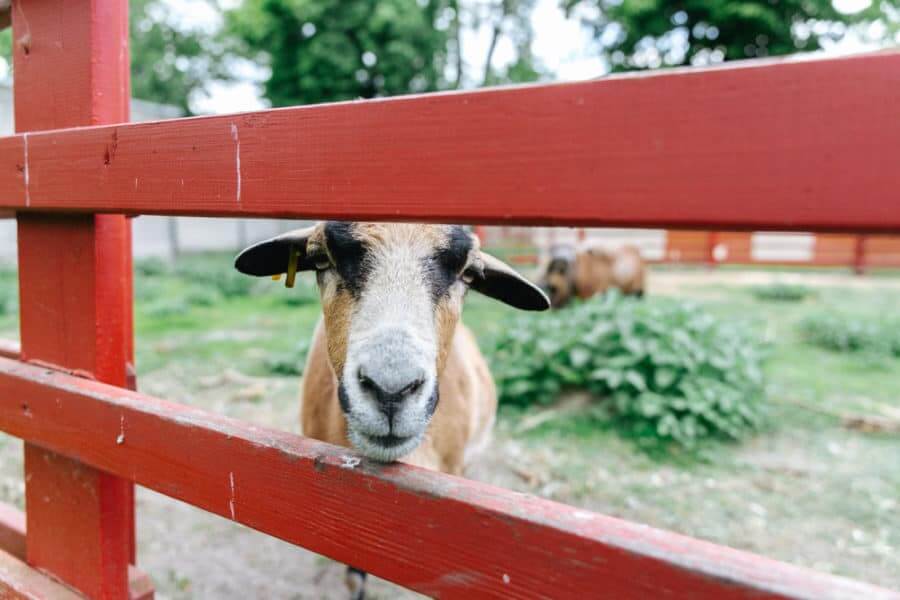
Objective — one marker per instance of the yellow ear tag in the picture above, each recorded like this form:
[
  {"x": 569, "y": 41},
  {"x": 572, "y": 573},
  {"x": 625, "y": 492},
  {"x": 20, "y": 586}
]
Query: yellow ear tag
[
  {"x": 292, "y": 268},
  {"x": 277, "y": 276}
]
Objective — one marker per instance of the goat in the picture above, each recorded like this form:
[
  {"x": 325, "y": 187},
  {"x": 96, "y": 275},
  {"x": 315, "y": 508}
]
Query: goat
[
  {"x": 589, "y": 270},
  {"x": 391, "y": 371}
]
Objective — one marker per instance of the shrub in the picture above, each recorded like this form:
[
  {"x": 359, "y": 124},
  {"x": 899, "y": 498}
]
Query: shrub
[
  {"x": 666, "y": 370},
  {"x": 781, "y": 292},
  {"x": 844, "y": 333},
  {"x": 289, "y": 363}
]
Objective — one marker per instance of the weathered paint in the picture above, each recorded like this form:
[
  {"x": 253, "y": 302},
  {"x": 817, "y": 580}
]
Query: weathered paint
[
  {"x": 438, "y": 534},
  {"x": 71, "y": 69},
  {"x": 12, "y": 542}
]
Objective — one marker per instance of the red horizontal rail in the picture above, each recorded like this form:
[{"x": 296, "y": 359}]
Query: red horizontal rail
[
  {"x": 788, "y": 145},
  {"x": 437, "y": 534},
  {"x": 18, "y": 581}
]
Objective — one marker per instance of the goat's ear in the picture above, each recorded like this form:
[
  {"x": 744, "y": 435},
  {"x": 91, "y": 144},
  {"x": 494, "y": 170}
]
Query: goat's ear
[
  {"x": 271, "y": 257},
  {"x": 499, "y": 281}
]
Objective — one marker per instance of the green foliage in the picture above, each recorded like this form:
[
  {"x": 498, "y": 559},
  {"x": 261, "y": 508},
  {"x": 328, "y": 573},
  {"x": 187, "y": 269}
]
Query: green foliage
[
  {"x": 844, "y": 333},
  {"x": 323, "y": 50},
  {"x": 642, "y": 34},
  {"x": 781, "y": 292},
  {"x": 290, "y": 363},
  {"x": 513, "y": 19},
  {"x": 171, "y": 63},
  {"x": 666, "y": 370}
]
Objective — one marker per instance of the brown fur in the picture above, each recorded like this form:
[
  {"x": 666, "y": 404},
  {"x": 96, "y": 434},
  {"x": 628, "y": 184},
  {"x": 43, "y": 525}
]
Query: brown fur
[
  {"x": 593, "y": 272},
  {"x": 635, "y": 283},
  {"x": 464, "y": 416},
  {"x": 468, "y": 402}
]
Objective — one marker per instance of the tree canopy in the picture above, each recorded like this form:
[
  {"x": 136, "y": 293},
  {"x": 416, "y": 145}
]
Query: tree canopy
[
  {"x": 322, "y": 50},
  {"x": 645, "y": 34},
  {"x": 171, "y": 63}
]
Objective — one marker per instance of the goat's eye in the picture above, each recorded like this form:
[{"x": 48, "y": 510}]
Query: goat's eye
[
  {"x": 468, "y": 275},
  {"x": 321, "y": 263}
]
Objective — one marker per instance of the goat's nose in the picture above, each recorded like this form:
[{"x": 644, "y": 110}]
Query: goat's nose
[{"x": 390, "y": 390}]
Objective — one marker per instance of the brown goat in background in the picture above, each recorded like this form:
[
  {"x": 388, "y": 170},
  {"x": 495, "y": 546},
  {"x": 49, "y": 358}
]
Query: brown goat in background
[{"x": 589, "y": 270}]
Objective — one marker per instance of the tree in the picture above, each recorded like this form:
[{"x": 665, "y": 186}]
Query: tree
[
  {"x": 171, "y": 63},
  {"x": 325, "y": 50},
  {"x": 513, "y": 19},
  {"x": 641, "y": 34}
]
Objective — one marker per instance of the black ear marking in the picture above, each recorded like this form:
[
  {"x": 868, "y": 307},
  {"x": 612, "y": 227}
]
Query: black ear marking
[
  {"x": 501, "y": 282},
  {"x": 349, "y": 255},
  {"x": 444, "y": 266},
  {"x": 271, "y": 257}
]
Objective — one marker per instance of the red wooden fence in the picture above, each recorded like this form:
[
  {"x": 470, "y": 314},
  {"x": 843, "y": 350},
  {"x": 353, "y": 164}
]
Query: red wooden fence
[{"x": 780, "y": 145}]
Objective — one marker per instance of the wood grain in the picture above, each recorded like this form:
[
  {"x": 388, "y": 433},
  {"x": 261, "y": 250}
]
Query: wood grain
[
  {"x": 12, "y": 542},
  {"x": 437, "y": 534},
  {"x": 788, "y": 145},
  {"x": 71, "y": 69}
]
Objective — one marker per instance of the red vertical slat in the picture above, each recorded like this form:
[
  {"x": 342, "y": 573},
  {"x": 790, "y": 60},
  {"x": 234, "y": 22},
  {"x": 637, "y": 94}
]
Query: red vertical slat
[{"x": 71, "y": 68}]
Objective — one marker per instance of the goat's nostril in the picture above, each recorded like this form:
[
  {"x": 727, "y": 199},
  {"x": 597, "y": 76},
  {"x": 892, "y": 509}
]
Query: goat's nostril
[
  {"x": 388, "y": 392},
  {"x": 412, "y": 388},
  {"x": 367, "y": 384}
]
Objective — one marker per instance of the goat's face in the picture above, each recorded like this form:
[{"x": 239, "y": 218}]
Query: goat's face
[
  {"x": 391, "y": 297},
  {"x": 557, "y": 277}
]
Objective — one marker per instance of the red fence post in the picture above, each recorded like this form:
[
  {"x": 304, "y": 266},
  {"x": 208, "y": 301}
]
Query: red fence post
[{"x": 71, "y": 68}]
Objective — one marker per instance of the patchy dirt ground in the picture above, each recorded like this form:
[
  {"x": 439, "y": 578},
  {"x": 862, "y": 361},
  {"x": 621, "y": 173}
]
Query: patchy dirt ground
[{"x": 814, "y": 494}]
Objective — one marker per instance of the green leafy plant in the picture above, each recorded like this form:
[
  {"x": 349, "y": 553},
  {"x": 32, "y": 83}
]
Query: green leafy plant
[
  {"x": 844, "y": 333},
  {"x": 781, "y": 292},
  {"x": 664, "y": 370}
]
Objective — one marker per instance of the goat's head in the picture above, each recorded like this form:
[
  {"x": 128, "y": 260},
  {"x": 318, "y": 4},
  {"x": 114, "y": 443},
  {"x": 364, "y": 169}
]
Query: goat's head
[
  {"x": 391, "y": 295},
  {"x": 557, "y": 275}
]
